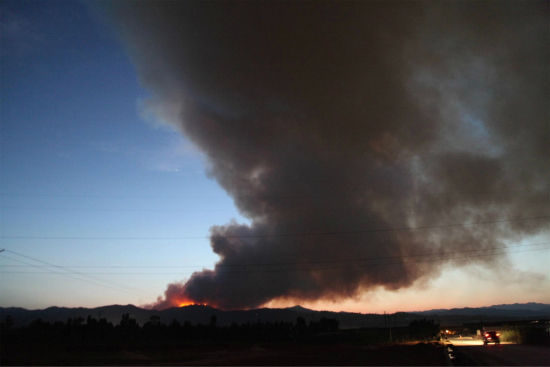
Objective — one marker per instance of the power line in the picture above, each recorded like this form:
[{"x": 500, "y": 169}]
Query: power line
[
  {"x": 355, "y": 259},
  {"x": 315, "y": 268},
  {"x": 50, "y": 271},
  {"x": 432, "y": 256},
  {"x": 67, "y": 271},
  {"x": 195, "y": 196},
  {"x": 110, "y": 210},
  {"x": 325, "y": 267},
  {"x": 436, "y": 255},
  {"x": 288, "y": 234}
]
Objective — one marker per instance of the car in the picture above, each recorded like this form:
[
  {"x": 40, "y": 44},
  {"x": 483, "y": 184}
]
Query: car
[{"x": 491, "y": 337}]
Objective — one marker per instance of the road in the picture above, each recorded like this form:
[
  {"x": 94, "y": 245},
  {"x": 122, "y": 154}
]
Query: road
[{"x": 469, "y": 351}]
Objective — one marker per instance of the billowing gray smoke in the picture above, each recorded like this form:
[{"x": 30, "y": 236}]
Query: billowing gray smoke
[{"x": 355, "y": 136}]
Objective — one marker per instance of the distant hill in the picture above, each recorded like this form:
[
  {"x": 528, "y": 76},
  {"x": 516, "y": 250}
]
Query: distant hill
[
  {"x": 507, "y": 312},
  {"x": 531, "y": 307},
  {"x": 203, "y": 315}
]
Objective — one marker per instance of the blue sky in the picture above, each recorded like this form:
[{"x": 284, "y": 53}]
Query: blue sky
[
  {"x": 90, "y": 183},
  {"x": 80, "y": 160}
]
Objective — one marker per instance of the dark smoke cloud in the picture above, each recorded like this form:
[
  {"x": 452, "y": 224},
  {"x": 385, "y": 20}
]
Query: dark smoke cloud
[{"x": 322, "y": 119}]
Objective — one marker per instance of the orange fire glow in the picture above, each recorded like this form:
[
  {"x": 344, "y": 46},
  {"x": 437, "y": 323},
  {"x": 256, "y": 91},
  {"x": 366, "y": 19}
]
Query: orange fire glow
[{"x": 184, "y": 303}]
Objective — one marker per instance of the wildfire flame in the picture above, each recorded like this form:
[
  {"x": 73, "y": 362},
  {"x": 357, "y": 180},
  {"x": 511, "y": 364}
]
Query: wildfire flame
[{"x": 184, "y": 303}]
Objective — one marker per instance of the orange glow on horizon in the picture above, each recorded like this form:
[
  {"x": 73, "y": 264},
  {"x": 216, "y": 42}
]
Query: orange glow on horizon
[
  {"x": 183, "y": 304},
  {"x": 187, "y": 302}
]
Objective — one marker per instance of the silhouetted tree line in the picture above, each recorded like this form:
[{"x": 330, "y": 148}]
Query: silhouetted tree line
[
  {"x": 104, "y": 335},
  {"x": 128, "y": 331},
  {"x": 423, "y": 329}
]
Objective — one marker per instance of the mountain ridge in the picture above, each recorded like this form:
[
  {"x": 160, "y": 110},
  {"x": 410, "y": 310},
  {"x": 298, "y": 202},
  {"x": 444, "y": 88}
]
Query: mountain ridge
[{"x": 201, "y": 314}]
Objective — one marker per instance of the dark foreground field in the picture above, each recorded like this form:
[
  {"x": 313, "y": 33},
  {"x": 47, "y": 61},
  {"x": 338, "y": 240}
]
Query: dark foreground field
[
  {"x": 276, "y": 353},
  {"x": 98, "y": 342},
  {"x": 321, "y": 342}
]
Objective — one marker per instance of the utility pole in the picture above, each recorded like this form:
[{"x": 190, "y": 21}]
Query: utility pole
[
  {"x": 385, "y": 322},
  {"x": 389, "y": 319},
  {"x": 387, "y": 325}
]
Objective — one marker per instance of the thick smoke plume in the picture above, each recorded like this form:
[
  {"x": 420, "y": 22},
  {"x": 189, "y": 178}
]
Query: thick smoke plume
[{"x": 354, "y": 135}]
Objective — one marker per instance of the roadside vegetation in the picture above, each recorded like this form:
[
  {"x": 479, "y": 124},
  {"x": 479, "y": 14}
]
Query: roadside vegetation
[{"x": 526, "y": 334}]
